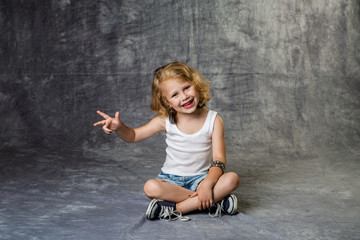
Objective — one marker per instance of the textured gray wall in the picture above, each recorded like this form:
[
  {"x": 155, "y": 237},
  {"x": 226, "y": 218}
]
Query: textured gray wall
[{"x": 285, "y": 74}]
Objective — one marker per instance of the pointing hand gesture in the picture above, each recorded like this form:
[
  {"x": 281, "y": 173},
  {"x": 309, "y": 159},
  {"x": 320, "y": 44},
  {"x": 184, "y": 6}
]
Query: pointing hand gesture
[{"x": 109, "y": 124}]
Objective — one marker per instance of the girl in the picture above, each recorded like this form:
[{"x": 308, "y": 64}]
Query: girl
[{"x": 192, "y": 176}]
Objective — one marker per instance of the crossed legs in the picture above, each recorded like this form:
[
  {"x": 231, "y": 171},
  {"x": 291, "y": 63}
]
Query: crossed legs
[{"x": 160, "y": 189}]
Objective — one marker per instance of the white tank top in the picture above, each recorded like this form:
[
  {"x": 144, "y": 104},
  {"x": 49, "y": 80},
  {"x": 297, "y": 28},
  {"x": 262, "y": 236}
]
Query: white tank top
[{"x": 189, "y": 154}]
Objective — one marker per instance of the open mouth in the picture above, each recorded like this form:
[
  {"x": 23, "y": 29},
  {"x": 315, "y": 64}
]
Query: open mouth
[{"x": 188, "y": 104}]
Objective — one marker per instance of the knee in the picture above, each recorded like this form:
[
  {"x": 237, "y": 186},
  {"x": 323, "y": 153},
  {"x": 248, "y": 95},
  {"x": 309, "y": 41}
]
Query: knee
[
  {"x": 233, "y": 180},
  {"x": 152, "y": 188}
]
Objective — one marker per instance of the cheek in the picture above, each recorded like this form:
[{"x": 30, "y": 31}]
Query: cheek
[
  {"x": 171, "y": 102},
  {"x": 194, "y": 92}
]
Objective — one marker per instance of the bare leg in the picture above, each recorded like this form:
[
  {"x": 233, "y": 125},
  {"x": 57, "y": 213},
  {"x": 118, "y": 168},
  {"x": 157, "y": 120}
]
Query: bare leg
[
  {"x": 226, "y": 184},
  {"x": 161, "y": 189}
]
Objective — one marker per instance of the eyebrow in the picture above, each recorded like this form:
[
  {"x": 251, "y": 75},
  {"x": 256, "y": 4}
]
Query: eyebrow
[{"x": 186, "y": 84}]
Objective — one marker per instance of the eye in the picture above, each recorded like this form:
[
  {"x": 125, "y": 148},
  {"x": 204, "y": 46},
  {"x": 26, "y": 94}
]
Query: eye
[
  {"x": 187, "y": 87},
  {"x": 174, "y": 95}
]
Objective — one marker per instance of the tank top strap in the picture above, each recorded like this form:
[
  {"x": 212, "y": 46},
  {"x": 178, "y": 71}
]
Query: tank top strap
[{"x": 210, "y": 122}]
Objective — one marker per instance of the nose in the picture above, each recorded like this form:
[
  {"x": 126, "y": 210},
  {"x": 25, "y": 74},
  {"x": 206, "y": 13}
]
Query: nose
[{"x": 183, "y": 96}]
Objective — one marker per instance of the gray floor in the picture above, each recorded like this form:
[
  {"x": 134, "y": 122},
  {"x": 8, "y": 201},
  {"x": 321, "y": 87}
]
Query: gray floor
[{"x": 64, "y": 194}]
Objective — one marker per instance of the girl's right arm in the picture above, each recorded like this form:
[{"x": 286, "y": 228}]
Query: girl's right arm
[{"x": 127, "y": 134}]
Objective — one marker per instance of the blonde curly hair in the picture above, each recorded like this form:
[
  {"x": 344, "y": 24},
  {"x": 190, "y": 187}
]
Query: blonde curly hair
[{"x": 182, "y": 71}]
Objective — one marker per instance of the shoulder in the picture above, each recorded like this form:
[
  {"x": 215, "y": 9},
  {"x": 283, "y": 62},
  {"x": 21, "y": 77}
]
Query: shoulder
[
  {"x": 219, "y": 123},
  {"x": 218, "y": 135},
  {"x": 217, "y": 119},
  {"x": 158, "y": 123}
]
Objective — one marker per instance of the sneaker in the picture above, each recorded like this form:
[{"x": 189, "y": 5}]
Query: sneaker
[
  {"x": 164, "y": 210},
  {"x": 228, "y": 206}
]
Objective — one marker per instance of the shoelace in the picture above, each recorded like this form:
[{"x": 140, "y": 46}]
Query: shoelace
[
  {"x": 218, "y": 210},
  {"x": 168, "y": 214}
]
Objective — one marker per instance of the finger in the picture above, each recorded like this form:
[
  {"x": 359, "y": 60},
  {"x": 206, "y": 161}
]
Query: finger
[
  {"x": 193, "y": 195},
  {"x": 117, "y": 115},
  {"x": 107, "y": 130},
  {"x": 99, "y": 123},
  {"x": 108, "y": 123},
  {"x": 102, "y": 114},
  {"x": 209, "y": 204},
  {"x": 199, "y": 205},
  {"x": 204, "y": 205}
]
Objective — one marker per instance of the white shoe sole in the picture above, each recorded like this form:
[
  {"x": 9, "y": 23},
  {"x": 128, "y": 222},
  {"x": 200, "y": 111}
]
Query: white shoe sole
[
  {"x": 235, "y": 204},
  {"x": 149, "y": 209}
]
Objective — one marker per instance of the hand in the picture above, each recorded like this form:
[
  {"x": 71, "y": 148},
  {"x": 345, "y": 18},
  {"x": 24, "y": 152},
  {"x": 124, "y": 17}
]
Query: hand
[
  {"x": 205, "y": 196},
  {"x": 109, "y": 124}
]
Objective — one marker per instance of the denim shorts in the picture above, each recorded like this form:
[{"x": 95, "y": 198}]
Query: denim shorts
[{"x": 189, "y": 182}]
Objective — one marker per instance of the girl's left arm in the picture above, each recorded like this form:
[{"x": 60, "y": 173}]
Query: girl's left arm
[
  {"x": 205, "y": 190},
  {"x": 218, "y": 150}
]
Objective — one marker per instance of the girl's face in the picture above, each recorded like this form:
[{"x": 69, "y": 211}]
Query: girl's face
[{"x": 181, "y": 95}]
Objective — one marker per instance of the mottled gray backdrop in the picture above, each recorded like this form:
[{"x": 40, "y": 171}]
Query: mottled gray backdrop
[{"x": 285, "y": 75}]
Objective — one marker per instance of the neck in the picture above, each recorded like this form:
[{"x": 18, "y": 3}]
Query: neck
[{"x": 198, "y": 113}]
